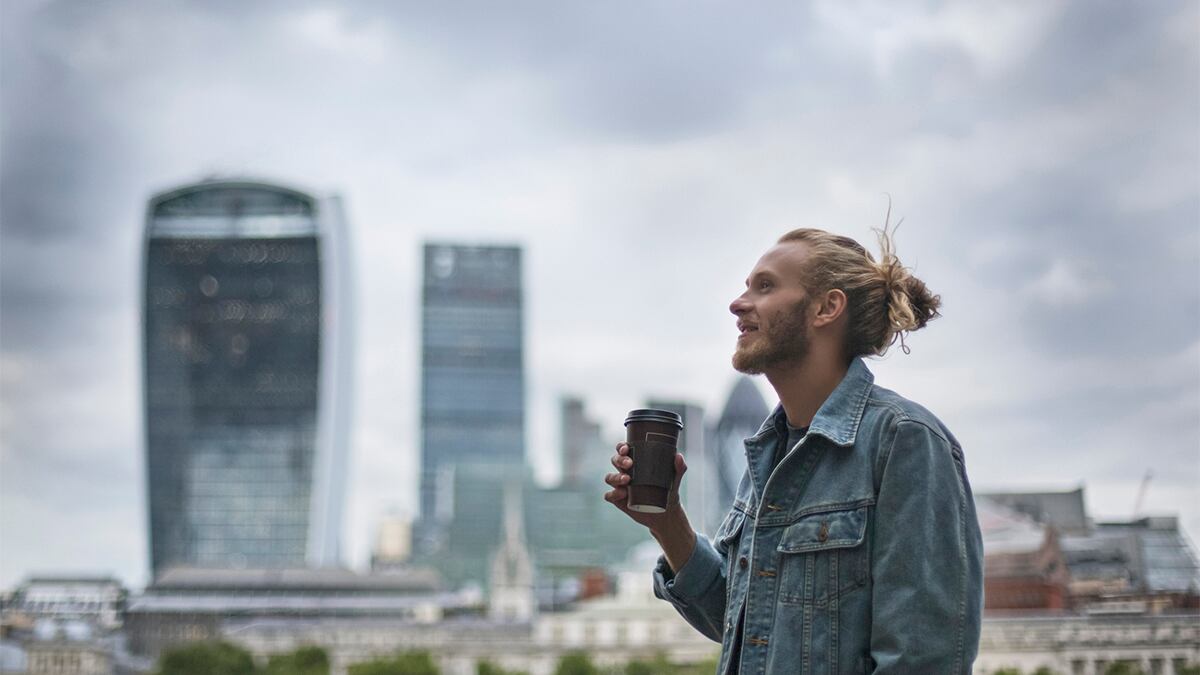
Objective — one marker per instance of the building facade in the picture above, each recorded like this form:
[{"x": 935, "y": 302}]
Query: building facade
[
  {"x": 247, "y": 332},
  {"x": 700, "y": 490},
  {"x": 472, "y": 387},
  {"x": 584, "y": 455},
  {"x": 97, "y": 601},
  {"x": 1089, "y": 645},
  {"x": 740, "y": 419}
]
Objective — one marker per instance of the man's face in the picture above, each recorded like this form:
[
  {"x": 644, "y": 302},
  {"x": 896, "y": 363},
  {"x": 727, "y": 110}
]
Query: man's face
[{"x": 771, "y": 314}]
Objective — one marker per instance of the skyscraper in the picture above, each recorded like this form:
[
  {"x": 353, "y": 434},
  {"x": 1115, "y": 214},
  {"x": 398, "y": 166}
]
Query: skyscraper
[
  {"x": 741, "y": 418},
  {"x": 472, "y": 383},
  {"x": 583, "y": 454},
  {"x": 246, "y": 362},
  {"x": 699, "y": 488}
]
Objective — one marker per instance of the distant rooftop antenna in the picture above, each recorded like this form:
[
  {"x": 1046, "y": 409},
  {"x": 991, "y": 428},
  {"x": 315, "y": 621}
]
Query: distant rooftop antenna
[{"x": 1141, "y": 494}]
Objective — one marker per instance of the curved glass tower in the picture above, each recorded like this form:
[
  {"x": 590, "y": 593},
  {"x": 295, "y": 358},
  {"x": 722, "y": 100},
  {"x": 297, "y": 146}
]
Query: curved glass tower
[
  {"x": 246, "y": 319},
  {"x": 741, "y": 418}
]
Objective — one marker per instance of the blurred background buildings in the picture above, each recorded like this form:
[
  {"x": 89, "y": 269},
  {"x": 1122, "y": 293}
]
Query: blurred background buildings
[{"x": 246, "y": 315}]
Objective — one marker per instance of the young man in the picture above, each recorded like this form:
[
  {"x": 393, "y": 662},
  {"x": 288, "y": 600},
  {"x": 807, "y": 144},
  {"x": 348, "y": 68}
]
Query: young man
[{"x": 852, "y": 545}]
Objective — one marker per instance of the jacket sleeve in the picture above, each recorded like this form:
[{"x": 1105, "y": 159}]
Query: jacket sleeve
[
  {"x": 697, "y": 590},
  {"x": 926, "y": 558}
]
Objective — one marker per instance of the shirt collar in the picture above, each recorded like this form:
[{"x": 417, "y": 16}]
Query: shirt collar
[{"x": 839, "y": 416}]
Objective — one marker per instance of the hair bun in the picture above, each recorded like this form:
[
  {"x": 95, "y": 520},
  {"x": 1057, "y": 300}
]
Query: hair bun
[{"x": 910, "y": 305}]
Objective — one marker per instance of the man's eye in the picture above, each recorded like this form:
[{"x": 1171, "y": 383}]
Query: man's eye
[{"x": 764, "y": 285}]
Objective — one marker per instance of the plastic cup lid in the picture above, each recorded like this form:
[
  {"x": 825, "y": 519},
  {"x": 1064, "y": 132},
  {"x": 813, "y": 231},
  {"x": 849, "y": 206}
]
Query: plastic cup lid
[{"x": 652, "y": 415}]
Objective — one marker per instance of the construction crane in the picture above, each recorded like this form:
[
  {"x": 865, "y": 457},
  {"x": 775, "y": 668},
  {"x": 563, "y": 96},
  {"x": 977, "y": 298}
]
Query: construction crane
[{"x": 1141, "y": 494}]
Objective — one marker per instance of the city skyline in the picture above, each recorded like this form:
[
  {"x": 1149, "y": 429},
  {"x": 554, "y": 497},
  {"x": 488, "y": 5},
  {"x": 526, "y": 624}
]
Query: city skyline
[{"x": 1043, "y": 156}]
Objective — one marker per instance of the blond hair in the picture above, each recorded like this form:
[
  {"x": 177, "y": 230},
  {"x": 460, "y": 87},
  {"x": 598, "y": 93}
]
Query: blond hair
[{"x": 884, "y": 300}]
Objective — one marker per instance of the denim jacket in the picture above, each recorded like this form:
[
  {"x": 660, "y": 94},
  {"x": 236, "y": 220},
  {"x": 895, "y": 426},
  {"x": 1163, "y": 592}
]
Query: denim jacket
[{"x": 859, "y": 553}]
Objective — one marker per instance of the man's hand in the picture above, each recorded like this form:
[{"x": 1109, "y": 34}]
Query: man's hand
[{"x": 671, "y": 528}]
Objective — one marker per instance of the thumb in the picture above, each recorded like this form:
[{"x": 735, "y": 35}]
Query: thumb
[{"x": 680, "y": 469}]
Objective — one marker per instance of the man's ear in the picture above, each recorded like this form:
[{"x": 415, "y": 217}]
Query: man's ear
[{"x": 830, "y": 307}]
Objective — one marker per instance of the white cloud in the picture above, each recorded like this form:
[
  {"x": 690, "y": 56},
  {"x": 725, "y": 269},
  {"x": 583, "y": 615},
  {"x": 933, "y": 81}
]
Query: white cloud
[
  {"x": 1067, "y": 282},
  {"x": 997, "y": 36},
  {"x": 330, "y": 28}
]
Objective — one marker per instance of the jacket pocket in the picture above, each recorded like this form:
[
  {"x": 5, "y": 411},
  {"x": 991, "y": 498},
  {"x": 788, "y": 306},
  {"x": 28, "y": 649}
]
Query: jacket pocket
[
  {"x": 729, "y": 530},
  {"x": 823, "y": 555}
]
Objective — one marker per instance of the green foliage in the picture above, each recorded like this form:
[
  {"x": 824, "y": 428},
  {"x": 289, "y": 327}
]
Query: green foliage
[
  {"x": 644, "y": 668},
  {"x": 405, "y": 663},
  {"x": 1045, "y": 670},
  {"x": 1008, "y": 671},
  {"x": 706, "y": 667},
  {"x": 206, "y": 658},
  {"x": 1189, "y": 669},
  {"x": 574, "y": 663},
  {"x": 310, "y": 660},
  {"x": 486, "y": 667},
  {"x": 659, "y": 665},
  {"x": 1122, "y": 668}
]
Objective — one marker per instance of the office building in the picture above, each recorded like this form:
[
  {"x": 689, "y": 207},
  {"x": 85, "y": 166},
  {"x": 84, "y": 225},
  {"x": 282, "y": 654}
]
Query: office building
[
  {"x": 699, "y": 489},
  {"x": 743, "y": 415},
  {"x": 95, "y": 600},
  {"x": 472, "y": 387},
  {"x": 584, "y": 453},
  {"x": 247, "y": 330},
  {"x": 393, "y": 543}
]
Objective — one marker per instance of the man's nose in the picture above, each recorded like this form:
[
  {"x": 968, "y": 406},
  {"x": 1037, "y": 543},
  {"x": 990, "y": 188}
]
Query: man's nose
[{"x": 739, "y": 306}]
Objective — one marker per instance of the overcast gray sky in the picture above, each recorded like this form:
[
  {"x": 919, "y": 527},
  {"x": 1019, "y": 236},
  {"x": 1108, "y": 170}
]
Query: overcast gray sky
[{"x": 1045, "y": 156}]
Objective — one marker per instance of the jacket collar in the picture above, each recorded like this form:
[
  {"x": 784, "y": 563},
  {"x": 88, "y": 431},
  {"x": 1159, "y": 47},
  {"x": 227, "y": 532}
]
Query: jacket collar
[{"x": 839, "y": 416}]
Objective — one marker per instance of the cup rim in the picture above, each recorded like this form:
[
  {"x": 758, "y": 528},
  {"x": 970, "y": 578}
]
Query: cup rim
[{"x": 654, "y": 415}]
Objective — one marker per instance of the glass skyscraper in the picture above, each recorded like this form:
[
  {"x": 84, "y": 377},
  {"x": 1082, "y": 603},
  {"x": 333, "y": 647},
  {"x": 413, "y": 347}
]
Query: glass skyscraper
[
  {"x": 247, "y": 333},
  {"x": 744, "y": 412},
  {"x": 472, "y": 389}
]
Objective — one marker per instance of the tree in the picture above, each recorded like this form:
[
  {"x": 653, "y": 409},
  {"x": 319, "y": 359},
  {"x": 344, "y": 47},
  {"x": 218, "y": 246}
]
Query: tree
[
  {"x": 575, "y": 663},
  {"x": 1122, "y": 668},
  {"x": 206, "y": 658},
  {"x": 706, "y": 667},
  {"x": 1045, "y": 670},
  {"x": 656, "y": 666},
  {"x": 486, "y": 667},
  {"x": 1189, "y": 669},
  {"x": 404, "y": 663},
  {"x": 311, "y": 660}
]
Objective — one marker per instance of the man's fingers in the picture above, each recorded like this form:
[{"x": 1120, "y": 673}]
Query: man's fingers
[
  {"x": 621, "y": 462},
  {"x": 680, "y": 469},
  {"x": 616, "y": 496},
  {"x": 616, "y": 479}
]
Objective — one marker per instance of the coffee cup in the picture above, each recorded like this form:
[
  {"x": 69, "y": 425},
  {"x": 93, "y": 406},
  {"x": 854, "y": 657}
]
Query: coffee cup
[{"x": 653, "y": 438}]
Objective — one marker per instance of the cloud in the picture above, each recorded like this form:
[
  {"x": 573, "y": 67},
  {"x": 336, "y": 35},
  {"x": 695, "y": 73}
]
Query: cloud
[
  {"x": 1044, "y": 156},
  {"x": 1065, "y": 283}
]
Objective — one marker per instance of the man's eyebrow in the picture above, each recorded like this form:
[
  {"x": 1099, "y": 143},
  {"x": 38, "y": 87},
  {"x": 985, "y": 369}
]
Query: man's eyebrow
[{"x": 759, "y": 275}]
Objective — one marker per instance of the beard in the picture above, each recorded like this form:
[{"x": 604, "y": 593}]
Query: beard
[{"x": 784, "y": 341}]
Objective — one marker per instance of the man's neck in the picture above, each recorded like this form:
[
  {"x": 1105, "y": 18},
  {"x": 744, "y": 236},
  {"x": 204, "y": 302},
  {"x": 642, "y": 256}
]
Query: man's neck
[{"x": 802, "y": 387}]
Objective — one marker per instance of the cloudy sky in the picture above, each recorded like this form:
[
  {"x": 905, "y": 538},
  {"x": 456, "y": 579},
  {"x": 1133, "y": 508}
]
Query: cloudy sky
[{"x": 1045, "y": 156}]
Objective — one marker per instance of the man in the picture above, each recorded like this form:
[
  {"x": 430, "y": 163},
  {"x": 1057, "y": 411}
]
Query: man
[{"x": 852, "y": 545}]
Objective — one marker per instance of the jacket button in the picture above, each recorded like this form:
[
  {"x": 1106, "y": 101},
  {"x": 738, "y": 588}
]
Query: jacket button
[
  {"x": 743, "y": 563},
  {"x": 823, "y": 533}
]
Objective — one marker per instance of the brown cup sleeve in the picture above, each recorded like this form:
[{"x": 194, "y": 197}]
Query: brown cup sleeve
[{"x": 649, "y": 468}]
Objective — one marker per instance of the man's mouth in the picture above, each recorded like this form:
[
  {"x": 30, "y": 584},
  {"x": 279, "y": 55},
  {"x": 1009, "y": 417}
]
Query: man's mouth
[{"x": 745, "y": 329}]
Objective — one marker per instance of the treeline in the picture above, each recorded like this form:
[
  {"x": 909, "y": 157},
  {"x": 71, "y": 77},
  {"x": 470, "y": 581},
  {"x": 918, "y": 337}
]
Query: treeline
[{"x": 223, "y": 658}]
